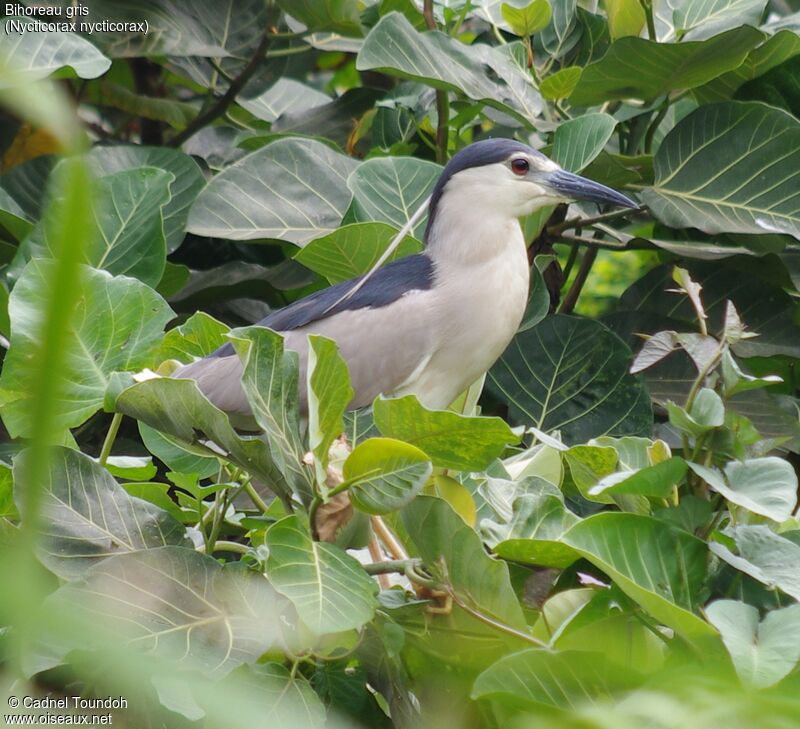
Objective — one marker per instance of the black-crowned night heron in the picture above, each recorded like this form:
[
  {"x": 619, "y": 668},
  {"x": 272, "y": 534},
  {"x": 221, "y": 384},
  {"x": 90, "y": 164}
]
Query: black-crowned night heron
[{"x": 429, "y": 324}]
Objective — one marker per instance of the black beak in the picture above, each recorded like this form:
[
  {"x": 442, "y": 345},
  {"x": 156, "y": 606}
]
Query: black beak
[{"x": 574, "y": 187}]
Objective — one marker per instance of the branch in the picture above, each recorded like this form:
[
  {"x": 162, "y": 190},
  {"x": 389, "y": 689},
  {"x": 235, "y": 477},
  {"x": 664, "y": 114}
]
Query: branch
[
  {"x": 442, "y": 99},
  {"x": 218, "y": 109},
  {"x": 580, "y": 279},
  {"x": 575, "y": 223},
  {"x": 389, "y": 566}
]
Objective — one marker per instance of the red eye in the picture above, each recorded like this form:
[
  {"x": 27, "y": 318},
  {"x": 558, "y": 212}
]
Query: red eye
[{"x": 520, "y": 166}]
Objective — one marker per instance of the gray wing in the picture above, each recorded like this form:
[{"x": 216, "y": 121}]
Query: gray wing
[{"x": 385, "y": 333}]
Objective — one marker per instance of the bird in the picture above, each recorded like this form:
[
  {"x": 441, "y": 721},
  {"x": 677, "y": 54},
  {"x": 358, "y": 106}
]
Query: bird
[{"x": 432, "y": 323}]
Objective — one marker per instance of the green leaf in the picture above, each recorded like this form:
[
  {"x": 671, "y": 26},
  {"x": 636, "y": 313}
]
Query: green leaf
[
  {"x": 40, "y": 53},
  {"x": 525, "y": 21},
  {"x": 695, "y": 21},
  {"x": 631, "y": 550},
  {"x": 269, "y": 381},
  {"x": 178, "y": 409},
  {"x": 390, "y": 189},
  {"x": 90, "y": 517},
  {"x": 563, "y": 680},
  {"x": 563, "y": 32},
  {"x": 285, "y": 96},
  {"x": 353, "y": 250},
  {"x": 292, "y": 189},
  {"x": 395, "y": 47},
  {"x": 770, "y": 558},
  {"x": 438, "y": 532},
  {"x": 588, "y": 464},
  {"x": 329, "y": 589},
  {"x": 561, "y": 84},
  {"x": 287, "y": 699},
  {"x": 533, "y": 536},
  {"x": 181, "y": 605},
  {"x": 656, "y": 481},
  {"x": 625, "y": 17},
  {"x": 762, "y": 652},
  {"x": 766, "y": 486},
  {"x": 131, "y": 468},
  {"x": 198, "y": 336},
  {"x": 211, "y": 28},
  {"x": 571, "y": 374},
  {"x": 725, "y": 168},
  {"x": 635, "y": 68},
  {"x": 338, "y": 16},
  {"x": 115, "y": 327},
  {"x": 707, "y": 412},
  {"x": 329, "y": 393},
  {"x": 8, "y": 509},
  {"x": 385, "y": 474},
  {"x": 129, "y": 237},
  {"x": 183, "y": 189},
  {"x": 578, "y": 141},
  {"x": 453, "y": 441},
  {"x": 773, "y": 52}
]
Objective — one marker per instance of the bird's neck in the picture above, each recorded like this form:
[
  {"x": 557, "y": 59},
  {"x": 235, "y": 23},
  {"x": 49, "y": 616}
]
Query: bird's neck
[{"x": 472, "y": 233}]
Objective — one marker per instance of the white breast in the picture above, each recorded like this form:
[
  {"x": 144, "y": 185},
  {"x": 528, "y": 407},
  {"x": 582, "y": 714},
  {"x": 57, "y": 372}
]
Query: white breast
[{"x": 479, "y": 305}]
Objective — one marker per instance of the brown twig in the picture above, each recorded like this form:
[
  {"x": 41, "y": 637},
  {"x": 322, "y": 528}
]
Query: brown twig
[
  {"x": 580, "y": 279},
  {"x": 218, "y": 109},
  {"x": 390, "y": 541}
]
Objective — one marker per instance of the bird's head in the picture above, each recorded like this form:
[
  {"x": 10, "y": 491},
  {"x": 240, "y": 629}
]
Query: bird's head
[{"x": 510, "y": 179}]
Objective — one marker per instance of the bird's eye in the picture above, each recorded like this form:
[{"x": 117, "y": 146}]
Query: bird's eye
[{"x": 520, "y": 166}]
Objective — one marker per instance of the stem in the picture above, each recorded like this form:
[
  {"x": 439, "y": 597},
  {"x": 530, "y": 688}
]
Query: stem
[
  {"x": 580, "y": 279},
  {"x": 595, "y": 243},
  {"x": 389, "y": 566},
  {"x": 488, "y": 620},
  {"x": 250, "y": 490},
  {"x": 218, "y": 109},
  {"x": 111, "y": 435},
  {"x": 226, "y": 546},
  {"x": 376, "y": 556},
  {"x": 573, "y": 254},
  {"x": 651, "y": 130},
  {"x": 574, "y": 223},
  {"x": 442, "y": 99},
  {"x": 390, "y": 541},
  {"x": 647, "y": 5}
]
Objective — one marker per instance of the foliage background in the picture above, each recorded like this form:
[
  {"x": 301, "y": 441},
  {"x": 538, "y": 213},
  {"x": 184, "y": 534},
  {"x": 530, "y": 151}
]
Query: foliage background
[{"x": 619, "y": 547}]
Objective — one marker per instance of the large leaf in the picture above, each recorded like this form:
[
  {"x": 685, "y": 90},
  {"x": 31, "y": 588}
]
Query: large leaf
[
  {"x": 285, "y": 96},
  {"x": 438, "y": 532},
  {"x": 643, "y": 69},
  {"x": 269, "y": 380},
  {"x": 688, "y": 20},
  {"x": 129, "y": 238},
  {"x": 390, "y": 189},
  {"x": 770, "y": 558},
  {"x": 188, "y": 179},
  {"x": 285, "y": 699},
  {"x": 40, "y": 53},
  {"x": 211, "y": 28},
  {"x": 764, "y": 308},
  {"x": 177, "y": 603},
  {"x": 394, "y": 46},
  {"x": 116, "y": 326},
  {"x": 385, "y": 474},
  {"x": 329, "y": 393},
  {"x": 533, "y": 535},
  {"x": 198, "y": 336},
  {"x": 571, "y": 375},
  {"x": 177, "y": 408},
  {"x": 766, "y": 486},
  {"x": 352, "y": 250},
  {"x": 452, "y": 441},
  {"x": 329, "y": 589},
  {"x": 294, "y": 189},
  {"x": 338, "y": 16},
  {"x": 88, "y": 516},
  {"x": 762, "y": 652},
  {"x": 562, "y": 680},
  {"x": 725, "y": 168},
  {"x": 578, "y": 141},
  {"x": 633, "y": 551}
]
